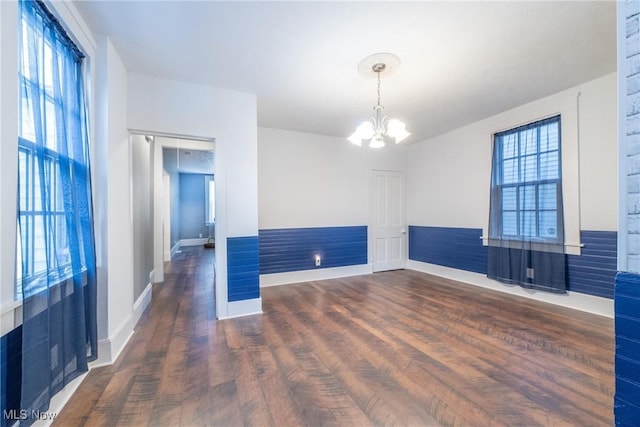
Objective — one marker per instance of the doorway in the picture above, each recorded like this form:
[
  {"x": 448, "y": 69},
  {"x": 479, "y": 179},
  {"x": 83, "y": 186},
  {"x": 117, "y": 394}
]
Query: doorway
[{"x": 185, "y": 155}]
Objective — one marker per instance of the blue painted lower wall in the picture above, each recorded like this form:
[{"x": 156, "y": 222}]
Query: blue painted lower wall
[
  {"x": 243, "y": 277},
  {"x": 11, "y": 374},
  {"x": 627, "y": 359},
  {"x": 591, "y": 273},
  {"x": 594, "y": 271},
  {"x": 459, "y": 248},
  {"x": 294, "y": 249}
]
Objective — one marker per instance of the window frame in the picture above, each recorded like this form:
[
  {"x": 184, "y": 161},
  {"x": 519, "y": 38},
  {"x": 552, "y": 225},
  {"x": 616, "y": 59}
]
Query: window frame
[{"x": 498, "y": 186}]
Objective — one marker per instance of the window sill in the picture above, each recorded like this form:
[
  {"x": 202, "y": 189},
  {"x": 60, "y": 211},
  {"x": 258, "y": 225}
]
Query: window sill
[
  {"x": 10, "y": 317},
  {"x": 11, "y": 313},
  {"x": 10, "y": 307},
  {"x": 570, "y": 248}
]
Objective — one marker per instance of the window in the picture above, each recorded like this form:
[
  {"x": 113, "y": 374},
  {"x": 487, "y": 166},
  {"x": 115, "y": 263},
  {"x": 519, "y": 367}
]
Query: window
[
  {"x": 526, "y": 189},
  {"x": 33, "y": 217},
  {"x": 53, "y": 170}
]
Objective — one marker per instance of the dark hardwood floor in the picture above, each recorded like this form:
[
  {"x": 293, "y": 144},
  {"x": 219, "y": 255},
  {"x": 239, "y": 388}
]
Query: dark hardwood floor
[{"x": 393, "y": 348}]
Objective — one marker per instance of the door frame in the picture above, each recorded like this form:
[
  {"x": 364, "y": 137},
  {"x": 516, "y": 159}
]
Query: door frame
[{"x": 166, "y": 224}]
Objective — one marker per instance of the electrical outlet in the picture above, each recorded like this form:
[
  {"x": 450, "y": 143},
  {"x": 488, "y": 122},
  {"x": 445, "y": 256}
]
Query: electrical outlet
[
  {"x": 318, "y": 261},
  {"x": 531, "y": 273}
]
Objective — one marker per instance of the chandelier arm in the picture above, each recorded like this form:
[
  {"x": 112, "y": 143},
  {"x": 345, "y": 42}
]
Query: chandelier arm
[{"x": 383, "y": 123}]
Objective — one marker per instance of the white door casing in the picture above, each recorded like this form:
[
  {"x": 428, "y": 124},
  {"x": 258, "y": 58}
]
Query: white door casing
[
  {"x": 388, "y": 228},
  {"x": 166, "y": 225}
]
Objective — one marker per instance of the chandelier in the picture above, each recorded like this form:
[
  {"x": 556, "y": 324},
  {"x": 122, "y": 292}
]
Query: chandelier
[{"x": 379, "y": 126}]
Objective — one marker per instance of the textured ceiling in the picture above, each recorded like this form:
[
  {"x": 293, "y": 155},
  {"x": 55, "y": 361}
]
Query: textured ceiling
[
  {"x": 188, "y": 160},
  {"x": 461, "y": 61}
]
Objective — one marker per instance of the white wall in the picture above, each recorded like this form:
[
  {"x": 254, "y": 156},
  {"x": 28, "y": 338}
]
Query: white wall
[
  {"x": 114, "y": 228},
  {"x": 307, "y": 180},
  {"x": 599, "y": 154},
  {"x": 8, "y": 159},
  {"x": 161, "y": 106},
  {"x": 448, "y": 177},
  {"x": 142, "y": 213}
]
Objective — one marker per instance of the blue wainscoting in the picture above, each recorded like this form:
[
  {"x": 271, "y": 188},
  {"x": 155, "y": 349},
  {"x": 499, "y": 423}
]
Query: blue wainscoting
[
  {"x": 591, "y": 273},
  {"x": 459, "y": 248},
  {"x": 294, "y": 249},
  {"x": 594, "y": 271},
  {"x": 243, "y": 277},
  {"x": 11, "y": 375},
  {"x": 627, "y": 359}
]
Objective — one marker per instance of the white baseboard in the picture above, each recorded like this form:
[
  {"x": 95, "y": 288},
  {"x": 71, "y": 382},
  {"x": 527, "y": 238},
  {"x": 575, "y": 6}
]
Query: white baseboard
[
  {"x": 583, "y": 302},
  {"x": 120, "y": 338},
  {"x": 109, "y": 349},
  {"x": 276, "y": 279},
  {"x": 174, "y": 250},
  {"x": 193, "y": 242},
  {"x": 104, "y": 354},
  {"x": 246, "y": 307},
  {"x": 141, "y": 304}
]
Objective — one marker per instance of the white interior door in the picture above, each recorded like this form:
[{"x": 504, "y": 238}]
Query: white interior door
[{"x": 388, "y": 229}]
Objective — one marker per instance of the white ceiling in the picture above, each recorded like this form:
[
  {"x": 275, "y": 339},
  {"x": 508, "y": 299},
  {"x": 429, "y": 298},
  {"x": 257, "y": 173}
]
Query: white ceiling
[
  {"x": 461, "y": 61},
  {"x": 187, "y": 160}
]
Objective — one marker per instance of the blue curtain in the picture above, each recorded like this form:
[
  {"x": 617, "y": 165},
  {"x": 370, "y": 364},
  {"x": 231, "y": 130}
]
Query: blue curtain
[
  {"x": 56, "y": 255},
  {"x": 526, "y": 224}
]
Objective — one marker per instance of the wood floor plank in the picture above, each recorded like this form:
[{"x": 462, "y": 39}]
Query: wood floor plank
[
  {"x": 251, "y": 399},
  {"x": 167, "y": 406},
  {"x": 391, "y": 348},
  {"x": 276, "y": 392}
]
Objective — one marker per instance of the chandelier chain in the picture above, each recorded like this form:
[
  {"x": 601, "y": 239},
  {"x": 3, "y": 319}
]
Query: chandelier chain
[{"x": 378, "y": 73}]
